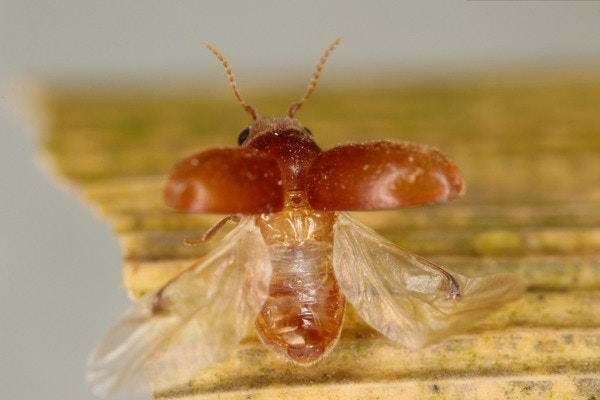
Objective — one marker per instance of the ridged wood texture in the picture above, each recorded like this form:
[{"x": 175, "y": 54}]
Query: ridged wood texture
[{"x": 530, "y": 154}]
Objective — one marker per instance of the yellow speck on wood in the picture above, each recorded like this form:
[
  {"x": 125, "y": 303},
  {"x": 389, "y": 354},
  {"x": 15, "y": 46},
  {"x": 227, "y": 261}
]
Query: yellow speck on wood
[{"x": 530, "y": 154}]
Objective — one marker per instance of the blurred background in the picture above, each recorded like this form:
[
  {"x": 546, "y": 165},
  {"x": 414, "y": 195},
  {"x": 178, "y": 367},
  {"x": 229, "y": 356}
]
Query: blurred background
[{"x": 60, "y": 266}]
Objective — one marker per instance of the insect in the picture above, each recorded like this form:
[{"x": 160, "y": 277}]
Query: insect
[{"x": 296, "y": 257}]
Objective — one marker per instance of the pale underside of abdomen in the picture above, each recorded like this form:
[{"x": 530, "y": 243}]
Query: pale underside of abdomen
[{"x": 302, "y": 317}]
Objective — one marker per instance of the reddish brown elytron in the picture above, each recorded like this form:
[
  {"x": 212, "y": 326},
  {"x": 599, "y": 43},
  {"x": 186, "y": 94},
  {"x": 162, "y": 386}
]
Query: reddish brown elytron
[{"x": 280, "y": 174}]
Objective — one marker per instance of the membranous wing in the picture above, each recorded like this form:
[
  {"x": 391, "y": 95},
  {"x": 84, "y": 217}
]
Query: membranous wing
[
  {"x": 195, "y": 320},
  {"x": 405, "y": 297}
]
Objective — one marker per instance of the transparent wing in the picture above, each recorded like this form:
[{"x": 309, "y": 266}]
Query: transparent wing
[
  {"x": 405, "y": 297},
  {"x": 195, "y": 320}
]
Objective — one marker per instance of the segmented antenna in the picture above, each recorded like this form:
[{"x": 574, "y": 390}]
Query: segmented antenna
[
  {"x": 315, "y": 78},
  {"x": 251, "y": 110}
]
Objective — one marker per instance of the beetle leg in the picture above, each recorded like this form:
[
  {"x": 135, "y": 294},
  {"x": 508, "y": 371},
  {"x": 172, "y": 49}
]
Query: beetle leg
[{"x": 212, "y": 231}]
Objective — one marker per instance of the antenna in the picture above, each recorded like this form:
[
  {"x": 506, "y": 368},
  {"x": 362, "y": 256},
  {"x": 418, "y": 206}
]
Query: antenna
[
  {"x": 251, "y": 110},
  {"x": 315, "y": 78}
]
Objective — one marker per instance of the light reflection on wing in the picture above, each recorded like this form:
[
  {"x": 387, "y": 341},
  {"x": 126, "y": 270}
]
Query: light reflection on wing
[
  {"x": 203, "y": 314},
  {"x": 406, "y": 297}
]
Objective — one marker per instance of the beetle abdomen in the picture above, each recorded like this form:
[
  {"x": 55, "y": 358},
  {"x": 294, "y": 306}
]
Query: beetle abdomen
[{"x": 302, "y": 317}]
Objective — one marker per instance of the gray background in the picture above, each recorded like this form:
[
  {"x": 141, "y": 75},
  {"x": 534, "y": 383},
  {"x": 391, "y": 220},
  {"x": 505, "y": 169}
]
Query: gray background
[{"x": 59, "y": 264}]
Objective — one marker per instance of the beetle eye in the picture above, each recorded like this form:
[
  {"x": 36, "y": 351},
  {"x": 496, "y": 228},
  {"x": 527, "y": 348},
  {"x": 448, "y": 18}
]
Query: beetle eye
[{"x": 243, "y": 136}]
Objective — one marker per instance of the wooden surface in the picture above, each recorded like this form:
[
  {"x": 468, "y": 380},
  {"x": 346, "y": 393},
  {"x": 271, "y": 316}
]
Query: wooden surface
[{"x": 530, "y": 153}]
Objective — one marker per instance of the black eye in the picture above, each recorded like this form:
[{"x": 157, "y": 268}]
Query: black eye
[
  {"x": 308, "y": 131},
  {"x": 243, "y": 136}
]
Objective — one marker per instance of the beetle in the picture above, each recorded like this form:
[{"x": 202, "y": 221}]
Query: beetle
[{"x": 296, "y": 257}]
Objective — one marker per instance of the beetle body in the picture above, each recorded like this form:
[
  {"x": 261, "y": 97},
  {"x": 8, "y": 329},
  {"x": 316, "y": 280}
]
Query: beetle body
[
  {"x": 302, "y": 316},
  {"x": 296, "y": 258},
  {"x": 284, "y": 172}
]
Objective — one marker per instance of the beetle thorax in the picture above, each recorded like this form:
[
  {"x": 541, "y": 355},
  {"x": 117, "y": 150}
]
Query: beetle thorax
[{"x": 289, "y": 143}]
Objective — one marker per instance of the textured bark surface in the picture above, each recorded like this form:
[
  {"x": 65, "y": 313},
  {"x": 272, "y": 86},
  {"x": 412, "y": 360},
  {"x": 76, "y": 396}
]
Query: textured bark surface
[{"x": 530, "y": 155}]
